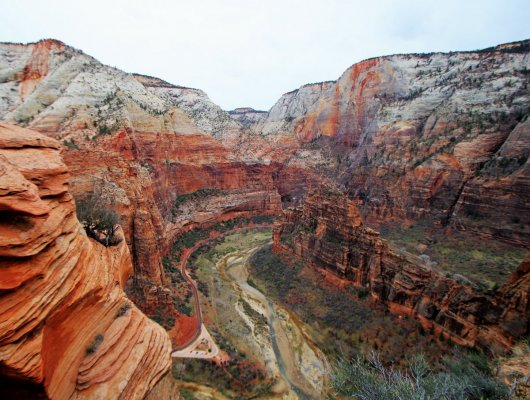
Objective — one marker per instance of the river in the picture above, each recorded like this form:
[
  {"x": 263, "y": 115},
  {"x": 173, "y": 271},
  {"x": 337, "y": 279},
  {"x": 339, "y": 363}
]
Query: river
[{"x": 301, "y": 366}]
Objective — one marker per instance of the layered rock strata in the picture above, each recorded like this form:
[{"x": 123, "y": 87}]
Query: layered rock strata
[
  {"x": 247, "y": 116},
  {"x": 146, "y": 175},
  {"x": 327, "y": 232},
  {"x": 437, "y": 136},
  {"x": 67, "y": 329}
]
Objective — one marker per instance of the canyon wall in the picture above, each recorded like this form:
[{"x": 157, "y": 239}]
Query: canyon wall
[
  {"x": 140, "y": 143},
  {"x": 247, "y": 116},
  {"x": 443, "y": 136},
  {"x": 67, "y": 329},
  {"x": 328, "y": 232},
  {"x": 436, "y": 136},
  {"x": 60, "y": 91}
]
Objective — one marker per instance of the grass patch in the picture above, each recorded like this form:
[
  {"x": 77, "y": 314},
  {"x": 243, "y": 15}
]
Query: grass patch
[
  {"x": 341, "y": 321},
  {"x": 486, "y": 263}
]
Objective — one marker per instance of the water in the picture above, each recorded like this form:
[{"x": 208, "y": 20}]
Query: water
[{"x": 270, "y": 321}]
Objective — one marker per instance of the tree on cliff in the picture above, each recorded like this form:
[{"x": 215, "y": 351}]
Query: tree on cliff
[{"x": 100, "y": 222}]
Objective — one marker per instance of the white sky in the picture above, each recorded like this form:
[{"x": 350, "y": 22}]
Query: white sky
[{"x": 250, "y": 52}]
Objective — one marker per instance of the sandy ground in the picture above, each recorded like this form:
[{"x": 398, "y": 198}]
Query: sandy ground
[
  {"x": 267, "y": 333},
  {"x": 304, "y": 365}
]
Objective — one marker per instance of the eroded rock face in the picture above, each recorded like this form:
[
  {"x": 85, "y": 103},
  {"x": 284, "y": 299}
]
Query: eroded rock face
[
  {"x": 143, "y": 174},
  {"x": 139, "y": 141},
  {"x": 438, "y": 136},
  {"x": 327, "y": 232},
  {"x": 60, "y": 91},
  {"x": 247, "y": 116},
  {"x": 66, "y": 326}
]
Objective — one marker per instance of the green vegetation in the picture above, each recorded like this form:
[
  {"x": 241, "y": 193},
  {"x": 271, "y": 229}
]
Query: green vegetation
[
  {"x": 123, "y": 309},
  {"x": 91, "y": 349},
  {"x": 100, "y": 222},
  {"x": 341, "y": 321},
  {"x": 236, "y": 378},
  {"x": 71, "y": 144},
  {"x": 103, "y": 129},
  {"x": 190, "y": 238},
  {"x": 333, "y": 237},
  {"x": 24, "y": 120},
  {"x": 183, "y": 299},
  {"x": 242, "y": 377},
  {"x": 162, "y": 317},
  {"x": 262, "y": 219},
  {"x": 462, "y": 377},
  {"x": 347, "y": 328},
  {"x": 485, "y": 263},
  {"x": 194, "y": 196},
  {"x": 290, "y": 232},
  {"x": 186, "y": 394},
  {"x": 258, "y": 318}
]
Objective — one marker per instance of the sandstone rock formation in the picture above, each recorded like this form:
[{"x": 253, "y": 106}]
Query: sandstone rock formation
[
  {"x": 67, "y": 329},
  {"x": 327, "y": 232},
  {"x": 67, "y": 94},
  {"x": 140, "y": 141},
  {"x": 438, "y": 136},
  {"x": 247, "y": 116}
]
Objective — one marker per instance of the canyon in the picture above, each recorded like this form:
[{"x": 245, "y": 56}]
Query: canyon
[
  {"x": 440, "y": 139},
  {"x": 328, "y": 232}
]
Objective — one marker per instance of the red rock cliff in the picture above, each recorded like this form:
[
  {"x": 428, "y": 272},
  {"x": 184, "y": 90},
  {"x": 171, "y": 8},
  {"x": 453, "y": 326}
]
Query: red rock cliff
[
  {"x": 327, "y": 232},
  {"x": 437, "y": 136},
  {"x": 66, "y": 325}
]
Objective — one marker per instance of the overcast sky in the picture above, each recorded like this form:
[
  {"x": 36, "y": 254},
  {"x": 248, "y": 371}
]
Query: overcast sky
[{"x": 250, "y": 52}]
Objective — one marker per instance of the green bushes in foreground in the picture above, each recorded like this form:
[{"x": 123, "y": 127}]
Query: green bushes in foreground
[{"x": 462, "y": 378}]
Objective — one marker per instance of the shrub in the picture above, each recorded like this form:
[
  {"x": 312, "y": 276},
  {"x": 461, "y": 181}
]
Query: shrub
[
  {"x": 362, "y": 293},
  {"x": 104, "y": 129},
  {"x": 194, "y": 196},
  {"x": 95, "y": 344},
  {"x": 100, "y": 223},
  {"x": 333, "y": 237},
  {"x": 461, "y": 379},
  {"x": 71, "y": 144}
]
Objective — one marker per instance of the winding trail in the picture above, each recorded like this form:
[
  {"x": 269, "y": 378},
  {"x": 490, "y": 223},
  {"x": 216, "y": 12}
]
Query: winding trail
[{"x": 201, "y": 337}]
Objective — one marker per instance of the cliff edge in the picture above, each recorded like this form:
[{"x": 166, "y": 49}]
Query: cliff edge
[{"x": 67, "y": 330}]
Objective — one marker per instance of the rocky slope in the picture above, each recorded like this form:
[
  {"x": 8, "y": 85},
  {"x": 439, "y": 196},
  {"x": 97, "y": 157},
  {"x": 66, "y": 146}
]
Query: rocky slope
[
  {"x": 436, "y": 136},
  {"x": 162, "y": 185},
  {"x": 140, "y": 143},
  {"x": 327, "y": 232},
  {"x": 247, "y": 116},
  {"x": 67, "y": 94},
  {"x": 441, "y": 136},
  {"x": 208, "y": 116},
  {"x": 67, "y": 329}
]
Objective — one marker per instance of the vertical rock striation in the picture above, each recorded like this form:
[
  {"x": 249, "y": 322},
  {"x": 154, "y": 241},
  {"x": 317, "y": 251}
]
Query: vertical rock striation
[
  {"x": 412, "y": 136},
  {"x": 327, "y": 232}
]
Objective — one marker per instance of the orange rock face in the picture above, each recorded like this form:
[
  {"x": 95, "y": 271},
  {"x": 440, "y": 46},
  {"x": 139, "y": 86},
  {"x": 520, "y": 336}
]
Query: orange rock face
[
  {"x": 66, "y": 325},
  {"x": 433, "y": 136},
  {"x": 327, "y": 232},
  {"x": 143, "y": 174}
]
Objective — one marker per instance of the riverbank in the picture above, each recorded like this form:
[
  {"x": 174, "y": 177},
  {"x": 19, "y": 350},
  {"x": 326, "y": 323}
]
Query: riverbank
[{"x": 270, "y": 356}]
